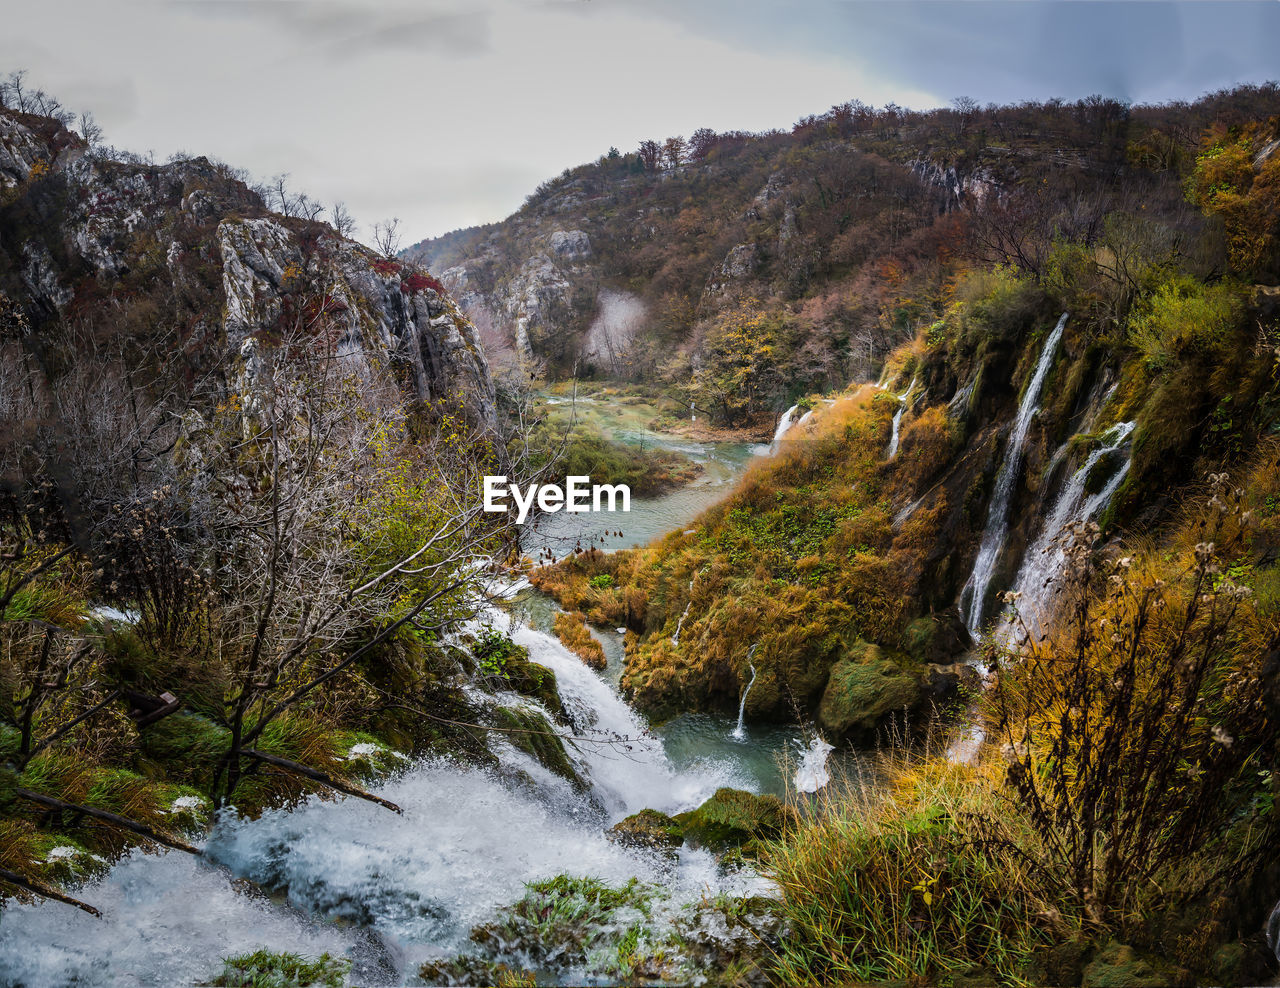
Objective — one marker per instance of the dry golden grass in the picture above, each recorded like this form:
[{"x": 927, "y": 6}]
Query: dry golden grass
[{"x": 572, "y": 630}]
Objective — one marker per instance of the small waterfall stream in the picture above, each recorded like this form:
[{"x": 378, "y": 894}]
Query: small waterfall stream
[
  {"x": 897, "y": 420},
  {"x": 784, "y": 424},
  {"x": 997, "y": 527},
  {"x": 740, "y": 732},
  {"x": 675, "y": 639}
]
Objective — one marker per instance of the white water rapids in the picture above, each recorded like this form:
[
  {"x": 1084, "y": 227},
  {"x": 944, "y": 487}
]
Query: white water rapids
[{"x": 402, "y": 889}]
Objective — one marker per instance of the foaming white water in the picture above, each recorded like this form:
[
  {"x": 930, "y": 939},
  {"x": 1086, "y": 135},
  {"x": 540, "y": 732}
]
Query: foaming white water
[
  {"x": 997, "y": 527},
  {"x": 784, "y": 424},
  {"x": 1046, "y": 556},
  {"x": 740, "y": 732},
  {"x": 813, "y": 774},
  {"x": 168, "y": 919},
  {"x": 626, "y": 777},
  {"x": 388, "y": 891}
]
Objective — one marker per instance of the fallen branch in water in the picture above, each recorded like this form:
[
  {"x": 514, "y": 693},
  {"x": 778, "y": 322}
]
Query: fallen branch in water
[
  {"x": 318, "y": 776},
  {"x": 108, "y": 817},
  {"x": 13, "y": 878}
]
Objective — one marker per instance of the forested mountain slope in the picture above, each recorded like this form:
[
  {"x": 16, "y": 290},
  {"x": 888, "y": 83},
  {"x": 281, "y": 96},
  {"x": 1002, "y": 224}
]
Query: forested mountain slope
[{"x": 816, "y": 251}]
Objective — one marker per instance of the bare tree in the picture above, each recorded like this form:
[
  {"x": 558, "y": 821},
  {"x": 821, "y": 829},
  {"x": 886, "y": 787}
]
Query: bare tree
[
  {"x": 343, "y": 223},
  {"x": 386, "y": 237}
]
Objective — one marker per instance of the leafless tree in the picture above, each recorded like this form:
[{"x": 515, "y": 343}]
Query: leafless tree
[
  {"x": 343, "y": 223},
  {"x": 386, "y": 237},
  {"x": 89, "y": 129}
]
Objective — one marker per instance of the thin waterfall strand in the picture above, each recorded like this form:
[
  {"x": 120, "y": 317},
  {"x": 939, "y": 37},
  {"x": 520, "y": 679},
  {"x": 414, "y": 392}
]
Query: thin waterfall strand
[
  {"x": 784, "y": 424},
  {"x": 740, "y": 732},
  {"x": 998, "y": 515}
]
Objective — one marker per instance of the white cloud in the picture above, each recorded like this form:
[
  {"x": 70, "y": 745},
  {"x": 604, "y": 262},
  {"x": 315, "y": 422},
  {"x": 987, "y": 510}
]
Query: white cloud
[{"x": 442, "y": 113}]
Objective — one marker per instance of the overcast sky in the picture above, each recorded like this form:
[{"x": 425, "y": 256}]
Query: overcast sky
[{"x": 447, "y": 113}]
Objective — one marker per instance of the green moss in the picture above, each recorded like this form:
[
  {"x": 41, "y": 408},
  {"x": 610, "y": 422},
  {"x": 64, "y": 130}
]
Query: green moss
[
  {"x": 187, "y": 746},
  {"x": 265, "y": 969},
  {"x": 733, "y": 819},
  {"x": 648, "y": 828},
  {"x": 865, "y": 688},
  {"x": 531, "y": 732},
  {"x": 1118, "y": 965}
]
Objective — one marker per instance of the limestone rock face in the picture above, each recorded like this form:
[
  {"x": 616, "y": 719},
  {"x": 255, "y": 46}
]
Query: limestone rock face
[
  {"x": 537, "y": 292},
  {"x": 570, "y": 244},
  {"x": 191, "y": 233},
  {"x": 975, "y": 188}
]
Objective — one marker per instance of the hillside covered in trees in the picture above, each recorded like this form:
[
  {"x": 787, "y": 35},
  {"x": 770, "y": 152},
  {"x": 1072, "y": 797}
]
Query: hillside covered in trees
[{"x": 747, "y": 270}]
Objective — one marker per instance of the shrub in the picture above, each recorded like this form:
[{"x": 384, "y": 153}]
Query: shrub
[
  {"x": 1184, "y": 316},
  {"x": 905, "y": 884},
  {"x": 1138, "y": 728}
]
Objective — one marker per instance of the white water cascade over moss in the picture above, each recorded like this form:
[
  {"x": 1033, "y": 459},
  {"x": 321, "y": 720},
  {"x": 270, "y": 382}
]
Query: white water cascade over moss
[{"x": 389, "y": 892}]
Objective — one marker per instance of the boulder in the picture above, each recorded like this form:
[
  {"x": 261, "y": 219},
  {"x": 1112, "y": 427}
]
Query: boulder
[
  {"x": 940, "y": 638},
  {"x": 865, "y": 688},
  {"x": 571, "y": 244},
  {"x": 648, "y": 828},
  {"x": 734, "y": 819}
]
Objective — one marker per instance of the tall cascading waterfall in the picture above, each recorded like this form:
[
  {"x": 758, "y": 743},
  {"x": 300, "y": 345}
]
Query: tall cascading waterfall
[
  {"x": 389, "y": 892},
  {"x": 897, "y": 420},
  {"x": 740, "y": 732},
  {"x": 1045, "y": 557},
  {"x": 997, "y": 527}
]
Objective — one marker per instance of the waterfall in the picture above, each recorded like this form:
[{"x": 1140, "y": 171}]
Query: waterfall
[
  {"x": 693, "y": 415},
  {"x": 897, "y": 419},
  {"x": 784, "y": 424},
  {"x": 893, "y": 439},
  {"x": 388, "y": 892},
  {"x": 675, "y": 639},
  {"x": 813, "y": 774},
  {"x": 740, "y": 732},
  {"x": 1045, "y": 558},
  {"x": 993, "y": 535}
]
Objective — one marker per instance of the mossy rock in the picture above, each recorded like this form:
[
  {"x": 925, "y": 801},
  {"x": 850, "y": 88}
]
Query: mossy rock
[
  {"x": 1108, "y": 465},
  {"x": 865, "y": 689},
  {"x": 532, "y": 733},
  {"x": 734, "y": 819},
  {"x": 648, "y": 828},
  {"x": 265, "y": 969},
  {"x": 536, "y": 681},
  {"x": 936, "y": 638},
  {"x": 1117, "y": 965}
]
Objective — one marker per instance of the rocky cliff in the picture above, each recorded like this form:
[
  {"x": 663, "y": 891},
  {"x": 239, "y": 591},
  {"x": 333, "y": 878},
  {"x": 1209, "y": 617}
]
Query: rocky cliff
[{"x": 185, "y": 255}]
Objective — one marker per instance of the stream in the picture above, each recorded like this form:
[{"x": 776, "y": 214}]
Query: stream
[{"x": 391, "y": 892}]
